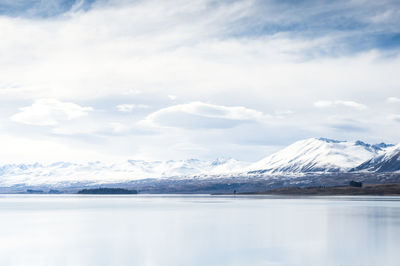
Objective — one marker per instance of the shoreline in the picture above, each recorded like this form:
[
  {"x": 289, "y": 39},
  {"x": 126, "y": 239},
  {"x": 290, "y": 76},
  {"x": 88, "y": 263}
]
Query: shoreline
[{"x": 365, "y": 190}]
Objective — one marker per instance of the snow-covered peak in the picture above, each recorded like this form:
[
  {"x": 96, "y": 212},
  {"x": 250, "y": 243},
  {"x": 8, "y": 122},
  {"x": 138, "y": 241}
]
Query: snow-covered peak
[
  {"x": 317, "y": 155},
  {"x": 387, "y": 161},
  {"x": 309, "y": 155},
  {"x": 392, "y": 152}
]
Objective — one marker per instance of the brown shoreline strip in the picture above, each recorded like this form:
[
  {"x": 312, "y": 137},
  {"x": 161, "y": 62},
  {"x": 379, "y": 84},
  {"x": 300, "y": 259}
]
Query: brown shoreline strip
[{"x": 367, "y": 189}]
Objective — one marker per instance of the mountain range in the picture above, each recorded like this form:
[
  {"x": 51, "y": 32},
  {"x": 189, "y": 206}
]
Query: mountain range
[{"x": 314, "y": 155}]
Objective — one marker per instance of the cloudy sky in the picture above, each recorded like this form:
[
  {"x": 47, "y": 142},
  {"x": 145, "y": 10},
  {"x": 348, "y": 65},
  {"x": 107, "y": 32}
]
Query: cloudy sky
[{"x": 155, "y": 80}]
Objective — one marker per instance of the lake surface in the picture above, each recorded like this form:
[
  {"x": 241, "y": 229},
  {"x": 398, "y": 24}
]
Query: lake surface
[{"x": 198, "y": 230}]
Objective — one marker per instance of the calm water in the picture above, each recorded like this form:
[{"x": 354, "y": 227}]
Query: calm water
[{"x": 198, "y": 230}]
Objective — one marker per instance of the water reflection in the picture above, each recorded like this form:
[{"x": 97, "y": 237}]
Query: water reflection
[{"x": 198, "y": 230}]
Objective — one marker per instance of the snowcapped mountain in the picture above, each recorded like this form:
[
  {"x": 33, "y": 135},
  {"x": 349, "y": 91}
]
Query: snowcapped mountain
[
  {"x": 100, "y": 172},
  {"x": 388, "y": 161},
  {"x": 315, "y": 155},
  {"x": 318, "y": 155}
]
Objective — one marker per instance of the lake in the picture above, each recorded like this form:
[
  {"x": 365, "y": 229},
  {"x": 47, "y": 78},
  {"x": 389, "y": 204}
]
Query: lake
[{"x": 198, "y": 230}]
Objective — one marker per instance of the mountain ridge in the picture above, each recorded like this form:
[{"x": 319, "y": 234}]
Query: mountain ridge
[
  {"x": 385, "y": 162},
  {"x": 308, "y": 156}
]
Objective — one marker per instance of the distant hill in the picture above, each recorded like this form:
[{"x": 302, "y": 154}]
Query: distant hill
[{"x": 107, "y": 191}]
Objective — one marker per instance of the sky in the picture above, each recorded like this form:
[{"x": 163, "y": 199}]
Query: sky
[{"x": 159, "y": 80}]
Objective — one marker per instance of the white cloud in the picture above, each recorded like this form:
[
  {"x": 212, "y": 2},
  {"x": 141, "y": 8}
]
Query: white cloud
[
  {"x": 393, "y": 100},
  {"x": 171, "y": 48},
  {"x": 351, "y": 104},
  {"x": 204, "y": 115},
  {"x": 49, "y": 112},
  {"x": 395, "y": 117},
  {"x": 172, "y": 97},
  {"x": 283, "y": 113},
  {"x": 149, "y": 52},
  {"x": 323, "y": 104},
  {"x": 126, "y": 108}
]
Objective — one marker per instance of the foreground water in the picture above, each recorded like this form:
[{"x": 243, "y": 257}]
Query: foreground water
[{"x": 198, "y": 230}]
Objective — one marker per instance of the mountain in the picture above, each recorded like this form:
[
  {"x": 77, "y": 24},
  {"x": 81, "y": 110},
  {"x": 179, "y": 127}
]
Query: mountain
[
  {"x": 388, "y": 161},
  {"x": 315, "y": 155},
  {"x": 318, "y": 155},
  {"x": 100, "y": 172}
]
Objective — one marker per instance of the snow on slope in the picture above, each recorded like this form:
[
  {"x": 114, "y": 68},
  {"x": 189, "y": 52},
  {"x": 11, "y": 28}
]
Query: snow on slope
[
  {"x": 310, "y": 155},
  {"x": 388, "y": 161},
  {"x": 318, "y": 155},
  {"x": 98, "y": 172}
]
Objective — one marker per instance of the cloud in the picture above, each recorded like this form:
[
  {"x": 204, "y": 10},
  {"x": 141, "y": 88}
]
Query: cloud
[
  {"x": 42, "y": 9},
  {"x": 172, "y": 97},
  {"x": 351, "y": 104},
  {"x": 349, "y": 127},
  {"x": 393, "y": 100},
  {"x": 126, "y": 108},
  {"x": 204, "y": 115},
  {"x": 323, "y": 104},
  {"x": 261, "y": 55},
  {"x": 395, "y": 117},
  {"x": 49, "y": 112}
]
